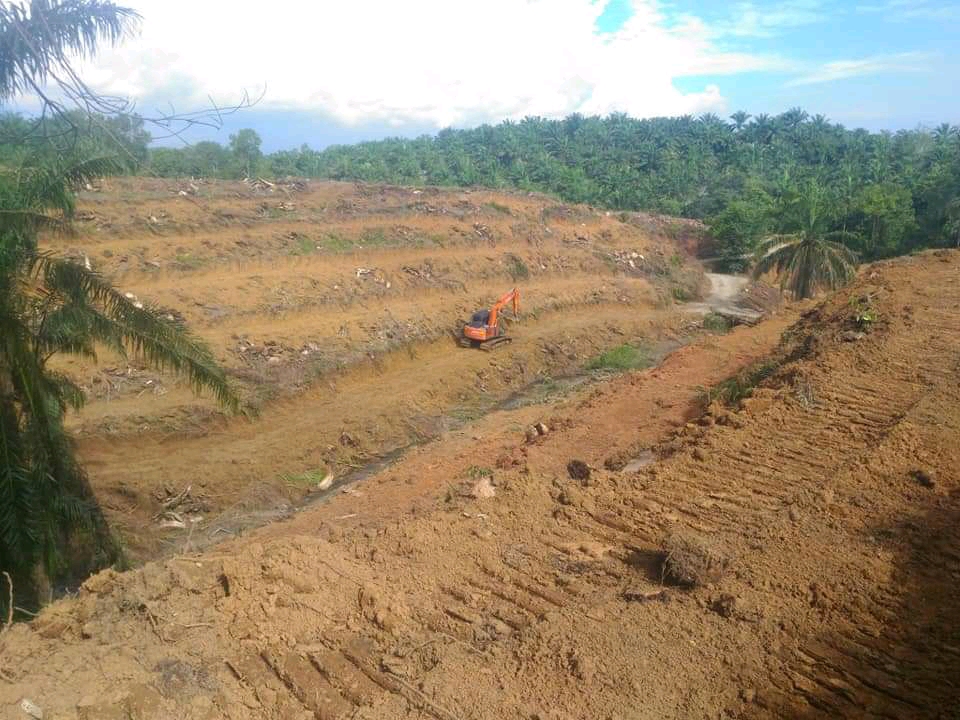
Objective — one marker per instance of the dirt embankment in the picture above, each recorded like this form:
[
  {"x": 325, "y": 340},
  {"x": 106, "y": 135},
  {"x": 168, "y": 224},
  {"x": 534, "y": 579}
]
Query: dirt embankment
[
  {"x": 333, "y": 306},
  {"x": 793, "y": 556}
]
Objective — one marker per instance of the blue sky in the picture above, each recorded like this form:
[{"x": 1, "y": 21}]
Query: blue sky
[{"x": 364, "y": 69}]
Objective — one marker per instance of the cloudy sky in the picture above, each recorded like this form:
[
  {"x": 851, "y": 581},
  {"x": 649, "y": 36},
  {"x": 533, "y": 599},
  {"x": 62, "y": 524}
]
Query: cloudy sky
[{"x": 345, "y": 70}]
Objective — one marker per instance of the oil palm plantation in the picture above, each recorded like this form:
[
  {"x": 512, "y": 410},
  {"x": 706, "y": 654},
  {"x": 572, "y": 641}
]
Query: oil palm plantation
[
  {"x": 50, "y": 305},
  {"x": 811, "y": 256}
]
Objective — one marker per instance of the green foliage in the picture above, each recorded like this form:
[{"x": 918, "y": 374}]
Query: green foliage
[
  {"x": 307, "y": 479},
  {"x": 373, "y": 236},
  {"x": 740, "y": 386},
  {"x": 863, "y": 312},
  {"x": 621, "y": 358},
  {"x": 51, "y": 306},
  {"x": 475, "y": 472},
  {"x": 36, "y": 39},
  {"x": 303, "y": 246},
  {"x": 891, "y": 192},
  {"x": 245, "y": 148},
  {"x": 738, "y": 228},
  {"x": 337, "y": 243},
  {"x": 186, "y": 261},
  {"x": 716, "y": 323},
  {"x": 811, "y": 257},
  {"x": 516, "y": 267}
]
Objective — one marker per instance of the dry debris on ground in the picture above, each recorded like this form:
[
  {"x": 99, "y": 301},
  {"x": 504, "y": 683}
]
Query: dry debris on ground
[{"x": 545, "y": 600}]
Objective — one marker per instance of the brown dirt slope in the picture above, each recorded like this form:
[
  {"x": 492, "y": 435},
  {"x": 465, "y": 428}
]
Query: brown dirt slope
[
  {"x": 333, "y": 306},
  {"x": 827, "y": 504}
]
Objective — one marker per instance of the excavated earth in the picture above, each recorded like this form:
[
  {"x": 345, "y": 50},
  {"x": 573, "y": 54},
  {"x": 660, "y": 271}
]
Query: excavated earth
[
  {"x": 334, "y": 307},
  {"x": 792, "y": 554}
]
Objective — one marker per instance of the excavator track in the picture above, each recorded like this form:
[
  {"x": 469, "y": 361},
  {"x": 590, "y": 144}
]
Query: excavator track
[{"x": 495, "y": 342}]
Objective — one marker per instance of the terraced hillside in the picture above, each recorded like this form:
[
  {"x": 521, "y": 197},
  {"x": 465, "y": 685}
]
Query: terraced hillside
[
  {"x": 334, "y": 307},
  {"x": 791, "y": 554}
]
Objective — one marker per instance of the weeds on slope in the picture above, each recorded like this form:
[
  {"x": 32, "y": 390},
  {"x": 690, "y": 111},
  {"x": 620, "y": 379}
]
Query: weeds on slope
[
  {"x": 740, "y": 386},
  {"x": 622, "y": 358}
]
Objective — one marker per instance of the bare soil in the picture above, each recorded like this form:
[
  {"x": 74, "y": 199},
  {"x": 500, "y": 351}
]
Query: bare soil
[
  {"x": 334, "y": 306},
  {"x": 475, "y": 578}
]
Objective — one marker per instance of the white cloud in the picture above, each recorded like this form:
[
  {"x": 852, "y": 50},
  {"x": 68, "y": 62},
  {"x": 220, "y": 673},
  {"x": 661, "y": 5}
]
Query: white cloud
[
  {"x": 898, "y": 10},
  {"x": 843, "y": 69},
  {"x": 747, "y": 20},
  {"x": 437, "y": 62}
]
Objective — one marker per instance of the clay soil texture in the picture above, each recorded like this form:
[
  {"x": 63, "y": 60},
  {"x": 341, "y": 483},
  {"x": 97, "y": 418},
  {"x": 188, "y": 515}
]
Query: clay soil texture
[
  {"x": 765, "y": 525},
  {"x": 335, "y": 308}
]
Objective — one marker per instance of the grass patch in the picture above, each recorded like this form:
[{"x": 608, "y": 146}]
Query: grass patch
[
  {"x": 497, "y": 207},
  {"x": 186, "y": 261},
  {"x": 680, "y": 294},
  {"x": 310, "y": 478},
  {"x": 303, "y": 246},
  {"x": 742, "y": 385},
  {"x": 374, "y": 236},
  {"x": 467, "y": 413},
  {"x": 622, "y": 358},
  {"x": 716, "y": 323},
  {"x": 336, "y": 243},
  {"x": 516, "y": 267},
  {"x": 475, "y": 472}
]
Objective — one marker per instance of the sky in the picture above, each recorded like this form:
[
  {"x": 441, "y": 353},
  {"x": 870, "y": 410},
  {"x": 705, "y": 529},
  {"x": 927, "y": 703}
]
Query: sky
[{"x": 340, "y": 71}]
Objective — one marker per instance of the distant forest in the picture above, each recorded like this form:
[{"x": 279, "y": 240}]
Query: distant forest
[{"x": 889, "y": 193}]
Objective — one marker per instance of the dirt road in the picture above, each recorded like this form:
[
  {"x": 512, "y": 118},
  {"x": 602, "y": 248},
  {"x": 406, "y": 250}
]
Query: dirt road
[{"x": 476, "y": 578}]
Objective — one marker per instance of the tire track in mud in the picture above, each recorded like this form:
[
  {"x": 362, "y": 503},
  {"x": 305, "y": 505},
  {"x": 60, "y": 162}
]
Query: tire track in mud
[{"x": 547, "y": 599}]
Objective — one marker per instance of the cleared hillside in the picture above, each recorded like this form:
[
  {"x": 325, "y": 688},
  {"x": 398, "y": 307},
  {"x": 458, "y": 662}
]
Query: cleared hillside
[
  {"x": 334, "y": 306},
  {"x": 478, "y": 578}
]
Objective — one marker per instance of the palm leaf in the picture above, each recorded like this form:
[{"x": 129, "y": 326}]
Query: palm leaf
[
  {"x": 142, "y": 330},
  {"x": 36, "y": 42}
]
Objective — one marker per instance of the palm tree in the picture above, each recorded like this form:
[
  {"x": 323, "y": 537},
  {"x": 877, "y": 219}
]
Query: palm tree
[
  {"x": 810, "y": 257},
  {"x": 943, "y": 132},
  {"x": 740, "y": 119},
  {"x": 50, "y": 305}
]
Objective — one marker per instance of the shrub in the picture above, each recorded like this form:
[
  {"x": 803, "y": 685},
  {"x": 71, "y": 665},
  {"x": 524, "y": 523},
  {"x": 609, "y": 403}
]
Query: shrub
[
  {"x": 621, "y": 358},
  {"x": 517, "y": 267},
  {"x": 716, "y": 323}
]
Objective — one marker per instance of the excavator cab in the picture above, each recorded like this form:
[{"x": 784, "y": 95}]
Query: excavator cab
[
  {"x": 479, "y": 319},
  {"x": 485, "y": 328}
]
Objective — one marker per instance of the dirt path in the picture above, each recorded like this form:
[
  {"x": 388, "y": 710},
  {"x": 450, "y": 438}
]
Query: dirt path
[{"x": 477, "y": 579}]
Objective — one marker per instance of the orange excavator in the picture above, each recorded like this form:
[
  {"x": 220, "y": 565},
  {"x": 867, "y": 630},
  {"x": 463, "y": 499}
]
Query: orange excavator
[{"x": 485, "y": 329}]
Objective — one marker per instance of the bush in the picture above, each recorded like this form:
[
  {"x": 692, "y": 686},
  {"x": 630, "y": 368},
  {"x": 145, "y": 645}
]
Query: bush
[
  {"x": 516, "y": 267},
  {"x": 716, "y": 323}
]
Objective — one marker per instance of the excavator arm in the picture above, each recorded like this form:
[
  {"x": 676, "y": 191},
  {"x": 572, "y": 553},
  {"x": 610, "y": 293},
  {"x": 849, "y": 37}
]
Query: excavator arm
[{"x": 511, "y": 297}]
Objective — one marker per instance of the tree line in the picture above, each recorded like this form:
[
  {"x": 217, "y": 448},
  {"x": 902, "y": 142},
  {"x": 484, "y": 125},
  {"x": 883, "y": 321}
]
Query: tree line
[{"x": 888, "y": 193}]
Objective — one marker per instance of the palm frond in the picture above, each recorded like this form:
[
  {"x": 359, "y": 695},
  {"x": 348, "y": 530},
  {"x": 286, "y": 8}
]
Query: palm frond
[
  {"x": 806, "y": 262},
  {"x": 165, "y": 344},
  {"x": 35, "y": 42},
  {"x": 25, "y": 221}
]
